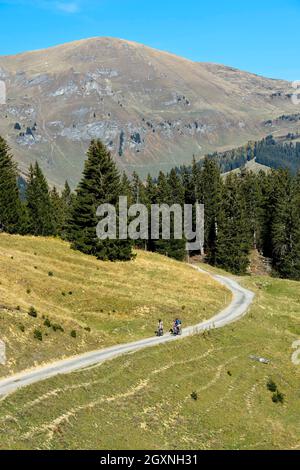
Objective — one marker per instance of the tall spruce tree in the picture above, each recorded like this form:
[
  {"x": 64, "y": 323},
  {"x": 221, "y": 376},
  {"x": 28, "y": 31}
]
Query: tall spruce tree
[
  {"x": 67, "y": 199},
  {"x": 101, "y": 183},
  {"x": 170, "y": 191},
  {"x": 138, "y": 192},
  {"x": 188, "y": 181},
  {"x": 211, "y": 187},
  {"x": 138, "y": 189},
  {"x": 150, "y": 198},
  {"x": 293, "y": 270},
  {"x": 58, "y": 211},
  {"x": 196, "y": 182},
  {"x": 39, "y": 207},
  {"x": 150, "y": 190},
  {"x": 266, "y": 212},
  {"x": 177, "y": 248},
  {"x": 10, "y": 205},
  {"x": 67, "y": 196},
  {"x": 126, "y": 188},
  {"x": 251, "y": 188},
  {"x": 286, "y": 226},
  {"x": 233, "y": 235}
]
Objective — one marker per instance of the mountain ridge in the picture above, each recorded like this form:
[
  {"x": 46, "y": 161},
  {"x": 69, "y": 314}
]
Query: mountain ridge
[{"x": 153, "y": 109}]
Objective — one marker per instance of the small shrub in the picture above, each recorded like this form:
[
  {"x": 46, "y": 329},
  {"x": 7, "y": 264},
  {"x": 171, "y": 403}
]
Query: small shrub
[
  {"x": 271, "y": 386},
  {"x": 22, "y": 327},
  {"x": 28, "y": 291},
  {"x": 229, "y": 373},
  {"x": 38, "y": 335},
  {"x": 18, "y": 308},
  {"x": 32, "y": 312},
  {"x": 194, "y": 396},
  {"x": 63, "y": 294},
  {"x": 47, "y": 323},
  {"x": 73, "y": 334},
  {"x": 88, "y": 329},
  {"x": 57, "y": 327},
  {"x": 50, "y": 274},
  {"x": 70, "y": 293},
  {"x": 277, "y": 397}
]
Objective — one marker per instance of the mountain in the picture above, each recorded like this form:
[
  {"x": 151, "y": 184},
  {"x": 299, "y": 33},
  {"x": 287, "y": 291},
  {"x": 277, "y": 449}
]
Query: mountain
[{"x": 153, "y": 109}]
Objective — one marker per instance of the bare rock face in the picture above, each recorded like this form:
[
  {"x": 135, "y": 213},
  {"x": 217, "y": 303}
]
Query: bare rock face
[{"x": 152, "y": 109}]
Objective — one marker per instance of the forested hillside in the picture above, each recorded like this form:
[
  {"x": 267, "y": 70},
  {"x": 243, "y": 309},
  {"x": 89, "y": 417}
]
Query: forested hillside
[
  {"x": 242, "y": 212},
  {"x": 273, "y": 152}
]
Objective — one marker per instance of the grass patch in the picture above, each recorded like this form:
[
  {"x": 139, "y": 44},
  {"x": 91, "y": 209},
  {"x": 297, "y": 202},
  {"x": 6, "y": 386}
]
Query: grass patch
[
  {"x": 103, "y": 303},
  {"x": 147, "y": 400}
]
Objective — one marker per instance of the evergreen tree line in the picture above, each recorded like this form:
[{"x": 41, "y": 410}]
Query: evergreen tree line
[
  {"x": 268, "y": 151},
  {"x": 242, "y": 212},
  {"x": 277, "y": 155},
  {"x": 245, "y": 212},
  {"x": 228, "y": 160},
  {"x": 34, "y": 209}
]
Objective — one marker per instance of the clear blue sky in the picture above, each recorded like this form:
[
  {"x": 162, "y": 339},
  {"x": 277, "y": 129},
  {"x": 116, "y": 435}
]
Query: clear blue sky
[{"x": 258, "y": 36}]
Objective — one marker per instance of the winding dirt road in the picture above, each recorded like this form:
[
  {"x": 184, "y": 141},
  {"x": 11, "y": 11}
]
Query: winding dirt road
[{"x": 241, "y": 300}]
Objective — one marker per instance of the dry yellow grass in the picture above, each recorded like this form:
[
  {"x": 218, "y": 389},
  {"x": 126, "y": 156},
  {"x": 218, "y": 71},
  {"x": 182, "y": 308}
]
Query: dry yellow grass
[
  {"x": 143, "y": 400},
  {"x": 118, "y": 302}
]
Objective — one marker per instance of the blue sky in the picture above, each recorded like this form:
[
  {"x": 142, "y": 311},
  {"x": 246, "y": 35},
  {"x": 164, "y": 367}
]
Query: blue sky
[{"x": 258, "y": 36}]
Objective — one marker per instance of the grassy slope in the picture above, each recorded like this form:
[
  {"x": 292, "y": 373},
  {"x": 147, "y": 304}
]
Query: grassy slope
[
  {"x": 120, "y": 302},
  {"x": 143, "y": 400}
]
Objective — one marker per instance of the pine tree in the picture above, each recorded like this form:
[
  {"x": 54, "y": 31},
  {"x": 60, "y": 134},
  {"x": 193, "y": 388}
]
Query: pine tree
[
  {"x": 67, "y": 200},
  {"x": 177, "y": 248},
  {"x": 138, "y": 189},
  {"x": 170, "y": 191},
  {"x": 150, "y": 198},
  {"x": 196, "y": 182},
  {"x": 126, "y": 189},
  {"x": 67, "y": 195},
  {"x": 250, "y": 185},
  {"x": 286, "y": 227},
  {"x": 138, "y": 193},
  {"x": 10, "y": 205},
  {"x": 38, "y": 202},
  {"x": 58, "y": 211},
  {"x": 293, "y": 270},
  {"x": 211, "y": 187},
  {"x": 233, "y": 239},
  {"x": 150, "y": 191},
  {"x": 100, "y": 184},
  {"x": 176, "y": 189},
  {"x": 188, "y": 183},
  {"x": 162, "y": 246},
  {"x": 267, "y": 192}
]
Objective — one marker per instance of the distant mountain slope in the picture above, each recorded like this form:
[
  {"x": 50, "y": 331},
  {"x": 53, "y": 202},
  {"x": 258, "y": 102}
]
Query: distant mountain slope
[{"x": 153, "y": 109}]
